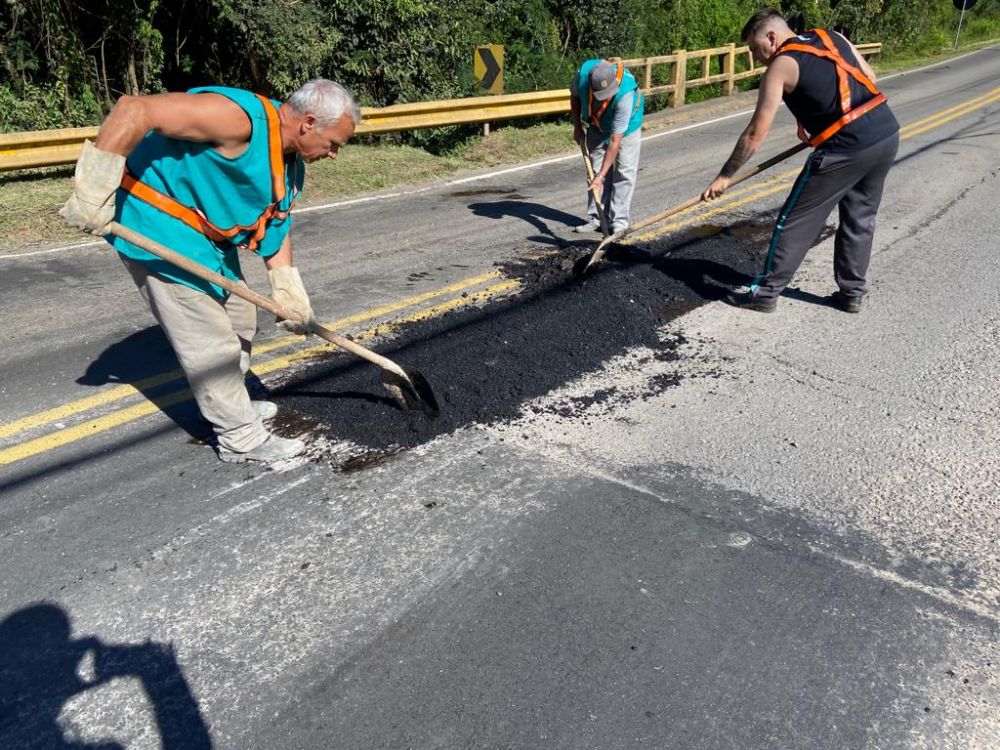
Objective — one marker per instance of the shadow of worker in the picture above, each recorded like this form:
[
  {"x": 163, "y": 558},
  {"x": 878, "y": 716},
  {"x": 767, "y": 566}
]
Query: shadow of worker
[
  {"x": 140, "y": 360},
  {"x": 534, "y": 213},
  {"x": 40, "y": 671}
]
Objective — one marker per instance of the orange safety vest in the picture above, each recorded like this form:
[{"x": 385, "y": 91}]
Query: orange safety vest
[
  {"x": 844, "y": 69},
  {"x": 199, "y": 222}
]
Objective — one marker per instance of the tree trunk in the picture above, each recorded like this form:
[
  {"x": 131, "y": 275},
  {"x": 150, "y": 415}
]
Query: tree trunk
[{"x": 131, "y": 79}]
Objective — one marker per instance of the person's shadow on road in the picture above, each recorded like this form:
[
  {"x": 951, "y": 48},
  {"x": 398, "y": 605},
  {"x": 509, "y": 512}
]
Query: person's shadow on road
[
  {"x": 141, "y": 360},
  {"x": 535, "y": 214},
  {"x": 146, "y": 361},
  {"x": 40, "y": 671}
]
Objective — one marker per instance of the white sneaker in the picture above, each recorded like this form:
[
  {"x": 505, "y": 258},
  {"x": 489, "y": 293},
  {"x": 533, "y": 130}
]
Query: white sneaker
[
  {"x": 590, "y": 226},
  {"x": 273, "y": 449},
  {"x": 265, "y": 409}
]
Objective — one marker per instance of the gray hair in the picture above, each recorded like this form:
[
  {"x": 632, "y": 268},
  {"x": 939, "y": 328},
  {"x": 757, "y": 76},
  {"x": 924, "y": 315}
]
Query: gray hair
[{"x": 325, "y": 99}]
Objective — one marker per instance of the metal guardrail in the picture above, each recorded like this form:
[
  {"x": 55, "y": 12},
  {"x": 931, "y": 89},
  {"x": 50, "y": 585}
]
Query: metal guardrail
[{"x": 44, "y": 148}]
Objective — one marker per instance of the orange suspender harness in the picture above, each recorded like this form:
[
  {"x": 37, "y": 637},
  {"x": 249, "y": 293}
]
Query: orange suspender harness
[
  {"x": 596, "y": 114},
  {"x": 844, "y": 69},
  {"x": 198, "y": 221}
]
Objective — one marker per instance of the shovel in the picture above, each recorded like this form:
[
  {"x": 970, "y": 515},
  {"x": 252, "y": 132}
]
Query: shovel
[
  {"x": 605, "y": 229},
  {"x": 598, "y": 254},
  {"x": 408, "y": 387}
]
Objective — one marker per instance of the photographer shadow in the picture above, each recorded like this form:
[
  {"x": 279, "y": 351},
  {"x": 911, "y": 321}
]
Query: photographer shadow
[{"x": 42, "y": 668}]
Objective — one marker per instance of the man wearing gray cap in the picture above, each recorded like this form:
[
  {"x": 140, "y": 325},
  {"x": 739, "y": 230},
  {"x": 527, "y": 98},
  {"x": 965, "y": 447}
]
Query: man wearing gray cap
[{"x": 607, "y": 98}]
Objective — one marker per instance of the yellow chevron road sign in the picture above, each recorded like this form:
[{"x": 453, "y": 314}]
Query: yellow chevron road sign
[{"x": 487, "y": 67}]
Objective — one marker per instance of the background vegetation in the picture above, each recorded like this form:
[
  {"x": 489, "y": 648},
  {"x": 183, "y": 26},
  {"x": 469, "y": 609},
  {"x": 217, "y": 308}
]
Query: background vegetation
[{"x": 64, "y": 62}]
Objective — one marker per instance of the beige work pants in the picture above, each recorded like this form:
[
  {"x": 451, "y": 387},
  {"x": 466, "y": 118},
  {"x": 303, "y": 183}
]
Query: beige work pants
[{"x": 212, "y": 341}]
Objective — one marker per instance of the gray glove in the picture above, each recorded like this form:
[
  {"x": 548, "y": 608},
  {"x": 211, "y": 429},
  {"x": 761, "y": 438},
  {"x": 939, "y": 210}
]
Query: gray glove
[
  {"x": 92, "y": 205},
  {"x": 287, "y": 290}
]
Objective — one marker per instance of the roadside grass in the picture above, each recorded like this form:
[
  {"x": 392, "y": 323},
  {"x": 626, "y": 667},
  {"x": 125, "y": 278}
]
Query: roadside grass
[
  {"x": 29, "y": 207},
  {"x": 30, "y": 199},
  {"x": 364, "y": 168},
  {"x": 904, "y": 60}
]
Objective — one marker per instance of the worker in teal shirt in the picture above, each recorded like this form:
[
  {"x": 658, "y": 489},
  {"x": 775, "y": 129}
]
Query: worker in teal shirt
[
  {"x": 210, "y": 173},
  {"x": 606, "y": 97}
]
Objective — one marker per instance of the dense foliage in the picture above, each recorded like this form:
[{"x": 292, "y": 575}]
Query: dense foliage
[{"x": 63, "y": 62}]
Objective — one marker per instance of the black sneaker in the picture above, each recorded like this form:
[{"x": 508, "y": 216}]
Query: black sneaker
[
  {"x": 843, "y": 302},
  {"x": 747, "y": 301}
]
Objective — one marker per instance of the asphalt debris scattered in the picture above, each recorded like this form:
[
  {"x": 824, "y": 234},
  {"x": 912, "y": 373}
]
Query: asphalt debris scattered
[{"x": 486, "y": 362}]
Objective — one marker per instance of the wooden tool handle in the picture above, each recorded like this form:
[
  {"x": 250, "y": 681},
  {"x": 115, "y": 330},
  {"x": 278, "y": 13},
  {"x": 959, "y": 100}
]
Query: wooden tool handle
[
  {"x": 692, "y": 202},
  {"x": 605, "y": 229},
  {"x": 265, "y": 303}
]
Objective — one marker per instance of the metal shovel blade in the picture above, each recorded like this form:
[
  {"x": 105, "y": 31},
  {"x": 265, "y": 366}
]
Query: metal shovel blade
[
  {"x": 583, "y": 265},
  {"x": 412, "y": 393}
]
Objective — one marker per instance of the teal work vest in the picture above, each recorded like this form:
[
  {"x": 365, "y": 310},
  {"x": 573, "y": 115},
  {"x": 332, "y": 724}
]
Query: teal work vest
[
  {"x": 601, "y": 114},
  {"x": 206, "y": 206}
]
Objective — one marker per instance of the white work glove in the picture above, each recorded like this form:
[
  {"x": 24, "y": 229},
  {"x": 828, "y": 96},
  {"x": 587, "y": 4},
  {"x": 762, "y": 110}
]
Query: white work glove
[
  {"x": 287, "y": 290},
  {"x": 92, "y": 205}
]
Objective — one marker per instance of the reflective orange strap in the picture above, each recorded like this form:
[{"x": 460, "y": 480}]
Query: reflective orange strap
[
  {"x": 844, "y": 68},
  {"x": 842, "y": 63},
  {"x": 274, "y": 149},
  {"x": 199, "y": 222},
  {"x": 595, "y": 117},
  {"x": 833, "y": 56},
  {"x": 843, "y": 84},
  {"x": 847, "y": 119},
  {"x": 175, "y": 209}
]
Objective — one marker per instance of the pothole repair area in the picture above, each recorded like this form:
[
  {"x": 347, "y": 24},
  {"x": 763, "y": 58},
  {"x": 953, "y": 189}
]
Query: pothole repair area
[{"x": 485, "y": 363}]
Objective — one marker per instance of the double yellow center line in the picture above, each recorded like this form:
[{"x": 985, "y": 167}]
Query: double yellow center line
[
  {"x": 101, "y": 424},
  {"x": 494, "y": 286}
]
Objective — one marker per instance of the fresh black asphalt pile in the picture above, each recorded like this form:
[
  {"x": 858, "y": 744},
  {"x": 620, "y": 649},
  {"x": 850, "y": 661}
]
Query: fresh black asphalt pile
[{"x": 485, "y": 363}]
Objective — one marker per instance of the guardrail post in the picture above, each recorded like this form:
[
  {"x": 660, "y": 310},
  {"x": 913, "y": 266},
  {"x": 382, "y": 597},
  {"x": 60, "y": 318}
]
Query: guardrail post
[
  {"x": 648, "y": 81},
  {"x": 729, "y": 68},
  {"x": 680, "y": 77}
]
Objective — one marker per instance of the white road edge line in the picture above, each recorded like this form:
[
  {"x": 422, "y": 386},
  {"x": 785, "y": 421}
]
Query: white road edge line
[
  {"x": 937, "y": 64},
  {"x": 938, "y": 593},
  {"x": 498, "y": 173}
]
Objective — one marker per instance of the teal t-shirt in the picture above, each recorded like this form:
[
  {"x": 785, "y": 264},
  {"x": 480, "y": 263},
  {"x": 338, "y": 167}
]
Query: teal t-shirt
[{"x": 228, "y": 192}]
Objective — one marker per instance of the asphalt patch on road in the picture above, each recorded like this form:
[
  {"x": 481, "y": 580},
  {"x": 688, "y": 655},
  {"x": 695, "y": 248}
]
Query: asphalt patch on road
[{"x": 485, "y": 363}]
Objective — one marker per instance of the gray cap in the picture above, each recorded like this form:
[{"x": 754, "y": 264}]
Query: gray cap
[{"x": 603, "y": 80}]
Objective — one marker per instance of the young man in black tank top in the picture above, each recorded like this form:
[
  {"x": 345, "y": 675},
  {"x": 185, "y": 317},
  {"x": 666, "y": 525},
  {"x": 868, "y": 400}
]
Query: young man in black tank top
[{"x": 830, "y": 89}]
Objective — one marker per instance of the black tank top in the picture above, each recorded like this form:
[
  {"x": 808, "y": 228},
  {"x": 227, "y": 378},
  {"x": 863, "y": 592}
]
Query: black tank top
[{"x": 815, "y": 101}]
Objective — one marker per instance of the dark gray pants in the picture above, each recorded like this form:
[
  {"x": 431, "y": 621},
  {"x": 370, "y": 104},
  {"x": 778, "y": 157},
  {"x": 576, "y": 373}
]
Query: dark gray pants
[{"x": 853, "y": 181}]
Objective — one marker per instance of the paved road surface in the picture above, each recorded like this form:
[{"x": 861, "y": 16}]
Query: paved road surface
[{"x": 786, "y": 536}]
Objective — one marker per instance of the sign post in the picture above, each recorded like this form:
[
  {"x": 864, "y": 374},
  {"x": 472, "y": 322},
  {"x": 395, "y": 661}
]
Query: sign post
[{"x": 962, "y": 5}]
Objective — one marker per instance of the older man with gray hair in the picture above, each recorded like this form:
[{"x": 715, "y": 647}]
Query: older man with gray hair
[{"x": 208, "y": 173}]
